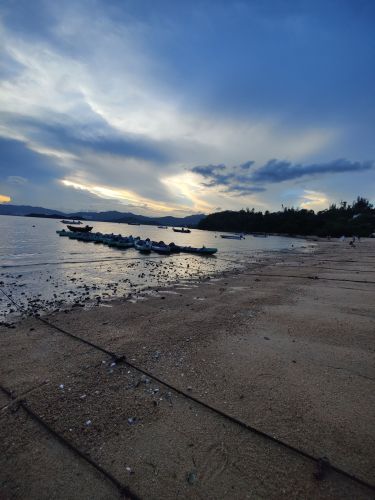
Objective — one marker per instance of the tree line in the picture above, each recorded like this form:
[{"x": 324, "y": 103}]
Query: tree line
[{"x": 345, "y": 219}]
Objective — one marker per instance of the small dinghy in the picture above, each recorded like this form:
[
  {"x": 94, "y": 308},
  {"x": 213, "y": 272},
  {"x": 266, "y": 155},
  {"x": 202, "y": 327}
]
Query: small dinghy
[
  {"x": 202, "y": 251},
  {"x": 160, "y": 247},
  {"x": 85, "y": 229},
  {"x": 182, "y": 230},
  {"x": 174, "y": 248},
  {"x": 143, "y": 246},
  {"x": 232, "y": 236}
]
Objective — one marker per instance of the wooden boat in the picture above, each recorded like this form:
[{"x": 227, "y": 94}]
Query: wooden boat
[
  {"x": 202, "y": 251},
  {"x": 143, "y": 246},
  {"x": 85, "y": 229},
  {"x": 160, "y": 247},
  {"x": 182, "y": 230}
]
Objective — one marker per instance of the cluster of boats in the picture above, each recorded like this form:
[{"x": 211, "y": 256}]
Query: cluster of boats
[{"x": 118, "y": 241}]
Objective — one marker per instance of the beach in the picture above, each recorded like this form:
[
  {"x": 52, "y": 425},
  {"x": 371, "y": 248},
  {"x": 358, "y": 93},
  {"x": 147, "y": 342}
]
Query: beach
[{"x": 105, "y": 401}]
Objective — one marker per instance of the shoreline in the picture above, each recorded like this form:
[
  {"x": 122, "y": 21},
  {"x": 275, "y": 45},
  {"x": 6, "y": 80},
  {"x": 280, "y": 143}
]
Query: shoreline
[
  {"x": 41, "y": 307},
  {"x": 284, "y": 345}
]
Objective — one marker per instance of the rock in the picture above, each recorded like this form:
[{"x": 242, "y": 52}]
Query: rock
[{"x": 192, "y": 477}]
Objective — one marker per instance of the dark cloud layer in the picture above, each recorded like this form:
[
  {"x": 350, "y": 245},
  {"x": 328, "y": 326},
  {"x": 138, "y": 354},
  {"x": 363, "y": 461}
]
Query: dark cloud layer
[
  {"x": 17, "y": 159},
  {"x": 276, "y": 171},
  {"x": 235, "y": 179},
  {"x": 240, "y": 180},
  {"x": 97, "y": 137}
]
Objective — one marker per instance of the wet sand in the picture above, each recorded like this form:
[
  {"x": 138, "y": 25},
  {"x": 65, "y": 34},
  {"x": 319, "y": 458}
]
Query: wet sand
[{"x": 285, "y": 346}]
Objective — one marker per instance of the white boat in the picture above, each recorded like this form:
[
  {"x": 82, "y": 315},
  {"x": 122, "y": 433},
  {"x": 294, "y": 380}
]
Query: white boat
[{"x": 77, "y": 222}]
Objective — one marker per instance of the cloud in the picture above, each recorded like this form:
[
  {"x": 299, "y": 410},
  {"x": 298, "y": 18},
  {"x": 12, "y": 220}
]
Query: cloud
[
  {"x": 240, "y": 179},
  {"x": 16, "y": 179},
  {"x": 113, "y": 104},
  {"x": 236, "y": 180},
  {"x": 313, "y": 200},
  {"x": 17, "y": 160},
  {"x": 62, "y": 132},
  {"x": 276, "y": 171},
  {"x": 4, "y": 198}
]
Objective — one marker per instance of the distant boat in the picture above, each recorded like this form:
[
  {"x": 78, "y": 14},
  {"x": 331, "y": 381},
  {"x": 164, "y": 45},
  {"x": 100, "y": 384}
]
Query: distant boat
[
  {"x": 133, "y": 223},
  {"x": 182, "y": 230},
  {"x": 85, "y": 229},
  {"x": 232, "y": 236},
  {"x": 71, "y": 221}
]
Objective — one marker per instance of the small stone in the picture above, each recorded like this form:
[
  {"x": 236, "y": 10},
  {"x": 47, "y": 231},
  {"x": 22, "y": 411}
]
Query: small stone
[{"x": 192, "y": 477}]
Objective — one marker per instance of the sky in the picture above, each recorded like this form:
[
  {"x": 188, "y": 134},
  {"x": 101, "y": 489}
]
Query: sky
[{"x": 190, "y": 106}]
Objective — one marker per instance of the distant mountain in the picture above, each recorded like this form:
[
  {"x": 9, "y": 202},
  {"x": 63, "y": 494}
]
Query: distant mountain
[
  {"x": 110, "y": 216},
  {"x": 26, "y": 209}
]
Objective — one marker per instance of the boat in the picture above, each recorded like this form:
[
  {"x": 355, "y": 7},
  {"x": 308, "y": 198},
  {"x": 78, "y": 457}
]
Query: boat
[
  {"x": 232, "y": 236},
  {"x": 85, "y": 229},
  {"x": 182, "y": 230},
  {"x": 160, "y": 247},
  {"x": 143, "y": 246},
  {"x": 63, "y": 232},
  {"x": 77, "y": 222},
  {"x": 122, "y": 242},
  {"x": 174, "y": 248},
  {"x": 133, "y": 223},
  {"x": 203, "y": 250}
]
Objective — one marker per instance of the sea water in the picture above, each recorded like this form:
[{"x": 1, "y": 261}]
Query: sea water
[{"x": 40, "y": 271}]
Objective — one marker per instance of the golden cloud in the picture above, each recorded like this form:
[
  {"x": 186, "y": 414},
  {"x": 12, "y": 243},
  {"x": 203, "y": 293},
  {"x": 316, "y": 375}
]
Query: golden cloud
[
  {"x": 4, "y": 198},
  {"x": 313, "y": 200},
  {"x": 125, "y": 196}
]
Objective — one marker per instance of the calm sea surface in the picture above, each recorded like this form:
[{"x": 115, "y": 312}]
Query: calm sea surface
[{"x": 42, "y": 271}]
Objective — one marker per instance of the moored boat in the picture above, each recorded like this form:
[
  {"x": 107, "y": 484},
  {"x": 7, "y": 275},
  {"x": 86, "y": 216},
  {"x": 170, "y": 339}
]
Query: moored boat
[
  {"x": 203, "y": 250},
  {"x": 85, "y": 229},
  {"x": 77, "y": 222},
  {"x": 174, "y": 248},
  {"x": 182, "y": 230},
  {"x": 232, "y": 236},
  {"x": 63, "y": 232},
  {"x": 143, "y": 246},
  {"x": 160, "y": 247}
]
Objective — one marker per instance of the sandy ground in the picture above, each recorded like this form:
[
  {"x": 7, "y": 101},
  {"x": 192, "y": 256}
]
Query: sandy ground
[{"x": 286, "y": 346}]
